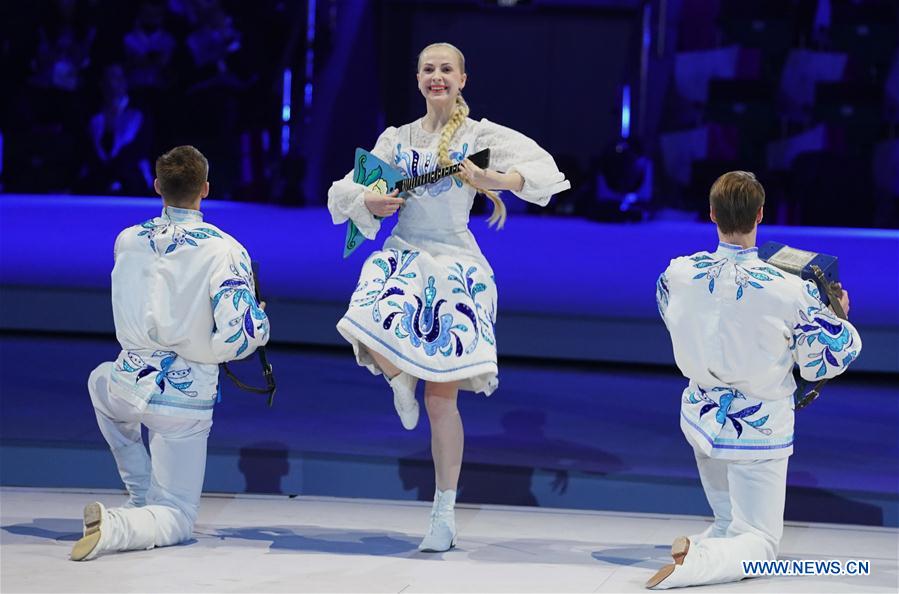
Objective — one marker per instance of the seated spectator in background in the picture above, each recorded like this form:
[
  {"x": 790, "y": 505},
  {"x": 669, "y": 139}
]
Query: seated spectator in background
[
  {"x": 212, "y": 43},
  {"x": 44, "y": 115},
  {"x": 119, "y": 142},
  {"x": 187, "y": 10},
  {"x": 63, "y": 50},
  {"x": 149, "y": 48}
]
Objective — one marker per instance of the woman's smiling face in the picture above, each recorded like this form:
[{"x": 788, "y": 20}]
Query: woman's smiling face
[{"x": 440, "y": 75}]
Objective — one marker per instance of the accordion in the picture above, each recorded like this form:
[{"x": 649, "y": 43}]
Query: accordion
[{"x": 820, "y": 268}]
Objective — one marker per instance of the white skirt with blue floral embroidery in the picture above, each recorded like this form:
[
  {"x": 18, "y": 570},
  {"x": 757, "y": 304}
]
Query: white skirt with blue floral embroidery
[{"x": 431, "y": 316}]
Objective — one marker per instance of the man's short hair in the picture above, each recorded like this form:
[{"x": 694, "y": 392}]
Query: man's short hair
[
  {"x": 181, "y": 173},
  {"x": 736, "y": 198}
]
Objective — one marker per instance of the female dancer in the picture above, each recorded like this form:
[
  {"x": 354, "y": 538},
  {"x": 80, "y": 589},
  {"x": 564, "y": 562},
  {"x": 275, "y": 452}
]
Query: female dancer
[{"x": 425, "y": 305}]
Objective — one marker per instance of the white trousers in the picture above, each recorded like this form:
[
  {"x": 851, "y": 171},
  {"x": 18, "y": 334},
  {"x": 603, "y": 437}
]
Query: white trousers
[
  {"x": 747, "y": 498},
  {"x": 164, "y": 487}
]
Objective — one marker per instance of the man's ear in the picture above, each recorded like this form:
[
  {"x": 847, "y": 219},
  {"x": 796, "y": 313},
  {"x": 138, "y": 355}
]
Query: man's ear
[
  {"x": 712, "y": 215},
  {"x": 156, "y": 186},
  {"x": 760, "y": 215},
  {"x": 205, "y": 191}
]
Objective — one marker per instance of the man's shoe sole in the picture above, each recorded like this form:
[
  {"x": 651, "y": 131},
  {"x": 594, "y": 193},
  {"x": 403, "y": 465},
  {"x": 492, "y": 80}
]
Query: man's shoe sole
[
  {"x": 93, "y": 518},
  {"x": 679, "y": 549}
]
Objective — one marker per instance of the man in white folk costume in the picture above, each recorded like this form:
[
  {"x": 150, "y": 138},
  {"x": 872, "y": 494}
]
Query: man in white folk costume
[
  {"x": 738, "y": 325},
  {"x": 183, "y": 301}
]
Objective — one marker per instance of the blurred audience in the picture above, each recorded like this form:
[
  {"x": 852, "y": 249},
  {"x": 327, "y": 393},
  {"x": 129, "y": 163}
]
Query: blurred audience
[
  {"x": 803, "y": 92},
  {"x": 149, "y": 48},
  {"x": 785, "y": 88},
  {"x": 119, "y": 156}
]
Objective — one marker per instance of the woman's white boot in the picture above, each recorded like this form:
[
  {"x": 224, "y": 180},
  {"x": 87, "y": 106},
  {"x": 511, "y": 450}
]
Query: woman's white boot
[
  {"x": 441, "y": 534},
  {"x": 404, "y": 401}
]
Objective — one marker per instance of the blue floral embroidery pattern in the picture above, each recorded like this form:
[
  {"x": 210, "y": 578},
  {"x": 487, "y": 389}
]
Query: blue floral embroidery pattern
[
  {"x": 713, "y": 269},
  {"x": 482, "y": 320},
  {"x": 744, "y": 277},
  {"x": 421, "y": 319},
  {"x": 180, "y": 379},
  {"x": 425, "y": 326},
  {"x": 414, "y": 163},
  {"x": 723, "y": 414},
  {"x": 759, "y": 273},
  {"x": 237, "y": 290},
  {"x": 817, "y": 325},
  {"x": 180, "y": 235},
  {"x": 394, "y": 269}
]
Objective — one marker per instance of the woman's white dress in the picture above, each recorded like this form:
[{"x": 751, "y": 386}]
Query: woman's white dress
[{"x": 427, "y": 301}]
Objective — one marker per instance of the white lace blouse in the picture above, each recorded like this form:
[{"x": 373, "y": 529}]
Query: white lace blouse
[{"x": 435, "y": 217}]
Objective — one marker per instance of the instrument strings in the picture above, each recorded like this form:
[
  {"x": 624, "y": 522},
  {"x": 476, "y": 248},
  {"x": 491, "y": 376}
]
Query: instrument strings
[{"x": 426, "y": 178}]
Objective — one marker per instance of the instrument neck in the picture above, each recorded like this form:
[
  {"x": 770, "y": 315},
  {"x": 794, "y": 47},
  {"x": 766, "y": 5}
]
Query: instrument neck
[{"x": 404, "y": 185}]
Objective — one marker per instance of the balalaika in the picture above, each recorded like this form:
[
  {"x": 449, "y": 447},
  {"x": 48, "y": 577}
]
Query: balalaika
[
  {"x": 379, "y": 177},
  {"x": 823, "y": 270}
]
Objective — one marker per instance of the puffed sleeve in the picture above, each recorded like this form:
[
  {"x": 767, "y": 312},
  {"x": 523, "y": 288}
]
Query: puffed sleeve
[
  {"x": 116, "y": 248},
  {"x": 513, "y": 151},
  {"x": 240, "y": 325},
  {"x": 823, "y": 345},
  {"x": 662, "y": 295},
  {"x": 345, "y": 197}
]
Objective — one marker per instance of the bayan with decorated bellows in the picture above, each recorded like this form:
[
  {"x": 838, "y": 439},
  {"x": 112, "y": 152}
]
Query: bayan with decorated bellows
[{"x": 381, "y": 178}]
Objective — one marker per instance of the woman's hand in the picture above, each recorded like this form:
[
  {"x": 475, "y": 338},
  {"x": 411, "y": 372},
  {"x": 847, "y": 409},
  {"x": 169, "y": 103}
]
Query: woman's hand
[
  {"x": 383, "y": 205},
  {"x": 488, "y": 179}
]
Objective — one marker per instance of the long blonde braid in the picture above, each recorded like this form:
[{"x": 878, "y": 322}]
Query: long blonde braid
[{"x": 456, "y": 119}]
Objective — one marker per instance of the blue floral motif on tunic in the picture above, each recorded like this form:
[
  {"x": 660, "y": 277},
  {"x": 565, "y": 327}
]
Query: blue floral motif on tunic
[
  {"x": 723, "y": 414},
  {"x": 816, "y": 324},
  {"x": 237, "y": 290},
  {"x": 179, "y": 379},
  {"x": 180, "y": 235},
  {"x": 744, "y": 277}
]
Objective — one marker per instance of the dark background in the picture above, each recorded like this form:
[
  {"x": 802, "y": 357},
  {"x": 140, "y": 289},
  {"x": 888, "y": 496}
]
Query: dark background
[{"x": 212, "y": 73}]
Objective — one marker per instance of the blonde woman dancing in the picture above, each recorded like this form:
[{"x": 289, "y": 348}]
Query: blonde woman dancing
[{"x": 425, "y": 305}]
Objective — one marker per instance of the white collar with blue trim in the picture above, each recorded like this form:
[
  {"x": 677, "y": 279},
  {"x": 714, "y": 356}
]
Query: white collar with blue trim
[
  {"x": 736, "y": 252},
  {"x": 181, "y": 215}
]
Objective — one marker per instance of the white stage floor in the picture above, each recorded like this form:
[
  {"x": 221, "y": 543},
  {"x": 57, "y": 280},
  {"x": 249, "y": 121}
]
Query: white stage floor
[{"x": 311, "y": 544}]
